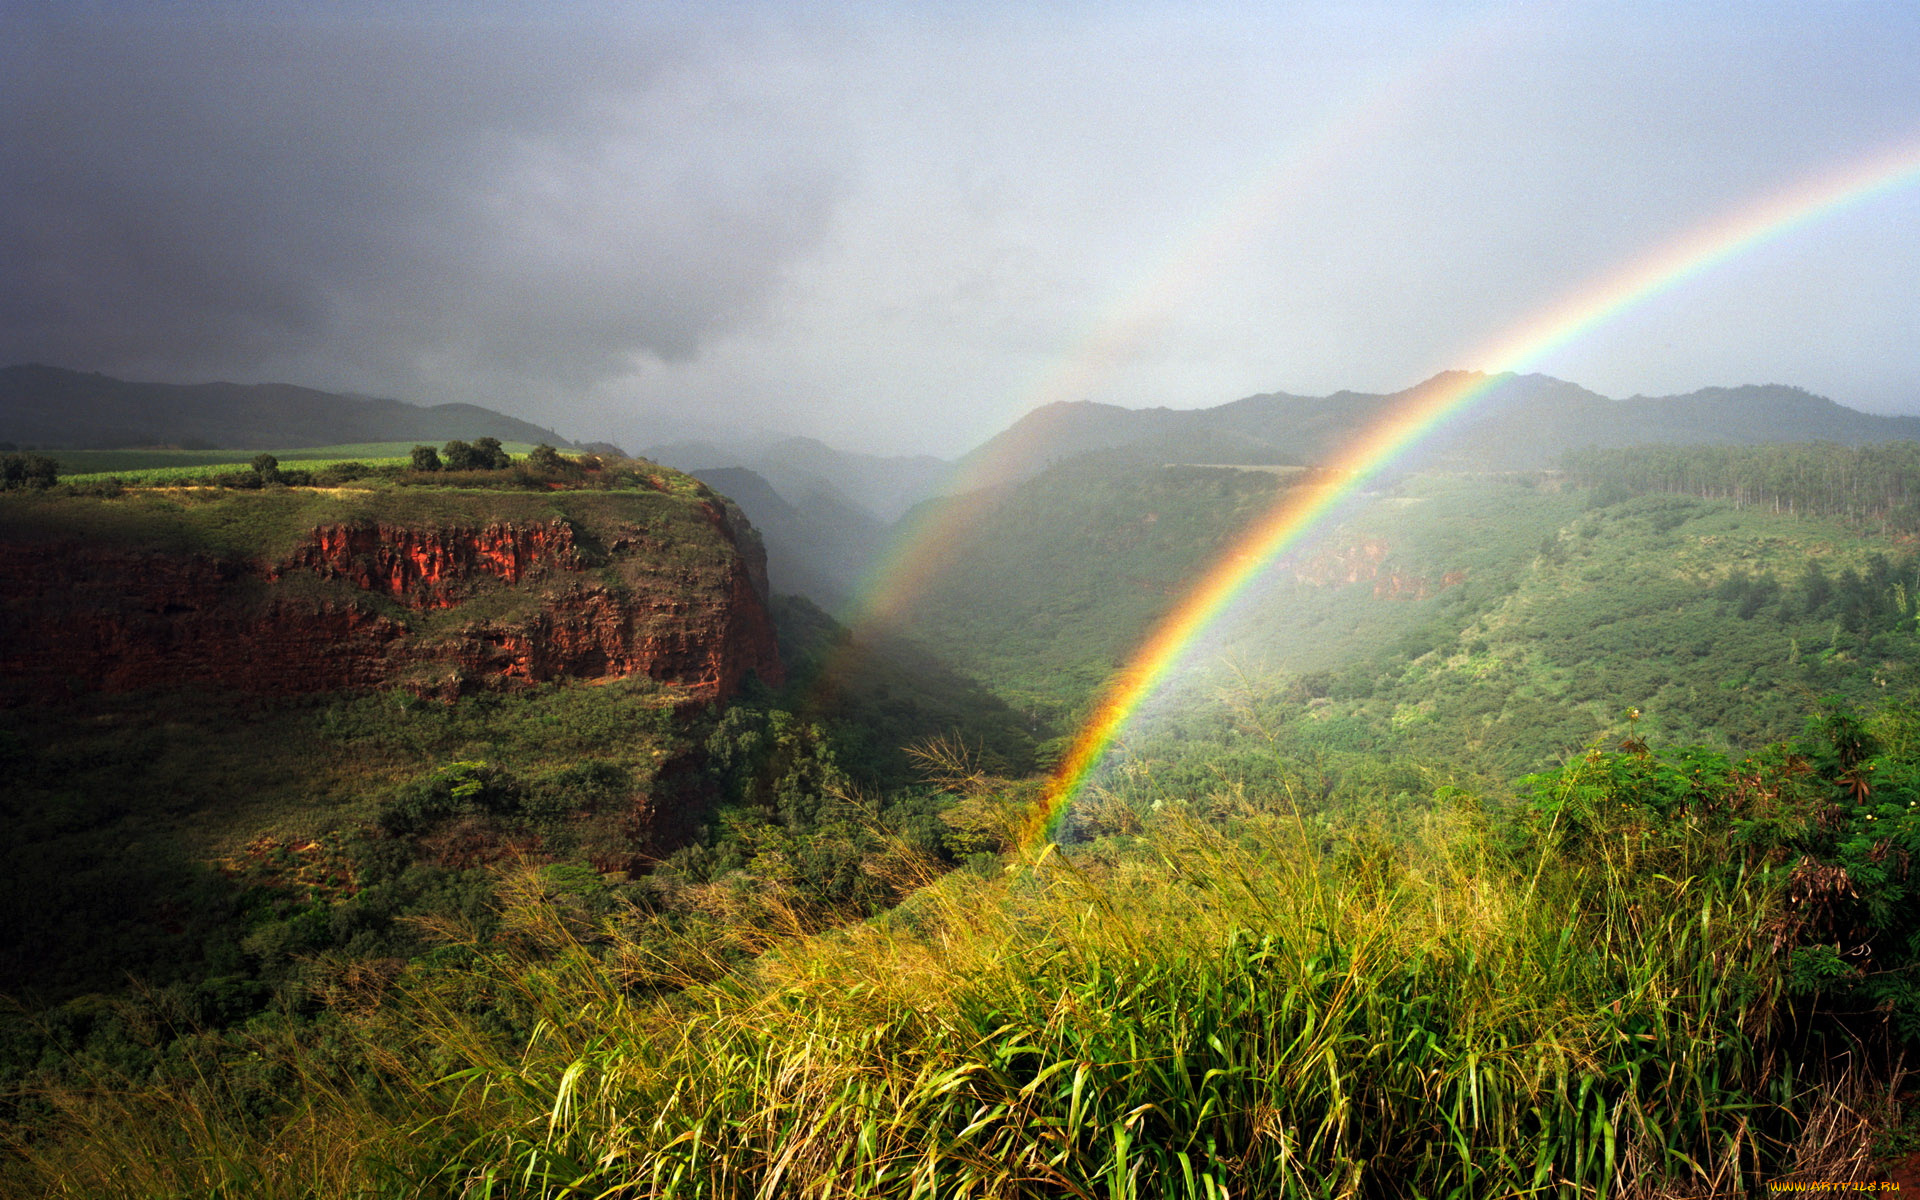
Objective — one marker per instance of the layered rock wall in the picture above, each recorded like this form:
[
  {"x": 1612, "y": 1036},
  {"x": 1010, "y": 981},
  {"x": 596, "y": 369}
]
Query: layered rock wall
[
  {"x": 436, "y": 568},
  {"x": 371, "y": 604}
]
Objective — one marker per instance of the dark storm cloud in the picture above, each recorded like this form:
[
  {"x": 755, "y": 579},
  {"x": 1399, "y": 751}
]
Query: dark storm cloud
[{"x": 408, "y": 204}]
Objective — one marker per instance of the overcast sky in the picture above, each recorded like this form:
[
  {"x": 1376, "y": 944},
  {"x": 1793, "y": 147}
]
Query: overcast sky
[{"x": 898, "y": 227}]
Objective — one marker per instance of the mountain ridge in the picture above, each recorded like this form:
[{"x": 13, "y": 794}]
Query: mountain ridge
[
  {"x": 1521, "y": 422},
  {"x": 52, "y": 406}
]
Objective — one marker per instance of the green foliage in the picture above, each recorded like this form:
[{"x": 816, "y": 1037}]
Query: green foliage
[
  {"x": 214, "y": 838},
  {"x": 425, "y": 458},
  {"x": 488, "y": 454},
  {"x": 482, "y": 454},
  {"x": 459, "y": 789},
  {"x": 1832, "y": 820},
  {"x": 23, "y": 471},
  {"x": 1207, "y": 1014},
  {"x": 879, "y": 693}
]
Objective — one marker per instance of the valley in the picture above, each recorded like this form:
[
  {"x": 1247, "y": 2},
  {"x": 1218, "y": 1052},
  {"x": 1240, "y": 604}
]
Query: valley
[
  {"x": 1161, "y": 601},
  {"x": 336, "y": 793}
]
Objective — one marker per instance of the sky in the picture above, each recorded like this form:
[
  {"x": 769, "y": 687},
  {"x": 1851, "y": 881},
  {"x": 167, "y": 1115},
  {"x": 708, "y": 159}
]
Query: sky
[{"x": 899, "y": 227}]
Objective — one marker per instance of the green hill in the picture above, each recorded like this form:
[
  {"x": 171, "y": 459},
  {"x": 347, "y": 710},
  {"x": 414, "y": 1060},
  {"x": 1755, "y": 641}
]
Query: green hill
[
  {"x": 1501, "y": 622},
  {"x": 51, "y": 407}
]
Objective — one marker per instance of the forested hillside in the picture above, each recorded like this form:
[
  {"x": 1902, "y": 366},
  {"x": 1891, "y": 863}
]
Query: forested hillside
[
  {"x": 1498, "y": 621},
  {"x": 1866, "y": 483}
]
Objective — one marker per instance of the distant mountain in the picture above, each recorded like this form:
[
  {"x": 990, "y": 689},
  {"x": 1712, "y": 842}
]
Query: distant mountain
[
  {"x": 1521, "y": 422},
  {"x": 885, "y": 486},
  {"x": 53, "y": 407},
  {"x": 818, "y": 543}
]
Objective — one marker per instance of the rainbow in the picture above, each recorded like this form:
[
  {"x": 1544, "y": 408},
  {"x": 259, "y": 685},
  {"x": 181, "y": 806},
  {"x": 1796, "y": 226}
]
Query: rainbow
[{"x": 1302, "y": 507}]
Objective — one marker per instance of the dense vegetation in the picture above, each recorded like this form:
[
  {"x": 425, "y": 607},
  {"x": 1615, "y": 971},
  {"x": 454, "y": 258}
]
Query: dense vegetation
[
  {"x": 1880, "y": 483},
  {"x": 1647, "y": 976},
  {"x": 1497, "y": 623},
  {"x": 1521, "y": 839}
]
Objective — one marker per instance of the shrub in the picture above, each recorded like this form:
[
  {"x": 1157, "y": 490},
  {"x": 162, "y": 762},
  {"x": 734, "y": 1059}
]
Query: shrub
[
  {"x": 489, "y": 455},
  {"x": 471, "y": 788},
  {"x": 21, "y": 471},
  {"x": 1831, "y": 819},
  {"x": 342, "y": 472}
]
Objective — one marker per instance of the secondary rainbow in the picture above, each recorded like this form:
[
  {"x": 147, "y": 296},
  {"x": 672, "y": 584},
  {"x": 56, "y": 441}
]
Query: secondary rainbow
[
  {"x": 1135, "y": 313},
  {"x": 1300, "y": 508}
]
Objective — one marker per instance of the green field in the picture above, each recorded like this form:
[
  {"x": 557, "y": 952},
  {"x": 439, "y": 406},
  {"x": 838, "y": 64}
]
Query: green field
[{"x": 150, "y": 466}]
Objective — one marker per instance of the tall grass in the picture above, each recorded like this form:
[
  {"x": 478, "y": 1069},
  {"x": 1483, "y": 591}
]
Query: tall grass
[{"x": 1211, "y": 1009}]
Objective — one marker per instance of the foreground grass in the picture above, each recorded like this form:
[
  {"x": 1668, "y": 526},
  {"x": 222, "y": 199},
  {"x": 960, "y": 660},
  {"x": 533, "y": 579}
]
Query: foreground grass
[{"x": 1208, "y": 1009}]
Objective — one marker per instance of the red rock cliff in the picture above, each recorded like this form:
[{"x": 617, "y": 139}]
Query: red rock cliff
[
  {"x": 436, "y": 568},
  {"x": 370, "y": 604},
  {"x": 1367, "y": 562}
]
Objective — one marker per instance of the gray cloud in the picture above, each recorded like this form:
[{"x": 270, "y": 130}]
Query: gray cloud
[
  {"x": 403, "y": 203},
  {"x": 898, "y": 226}
]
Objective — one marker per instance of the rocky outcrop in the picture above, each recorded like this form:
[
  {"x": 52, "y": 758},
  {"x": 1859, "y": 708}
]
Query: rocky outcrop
[
  {"x": 1368, "y": 562},
  {"x": 436, "y": 568},
  {"x": 367, "y": 604},
  {"x": 592, "y": 633}
]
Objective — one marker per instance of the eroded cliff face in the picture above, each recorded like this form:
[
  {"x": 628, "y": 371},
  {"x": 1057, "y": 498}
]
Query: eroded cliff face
[
  {"x": 369, "y": 603},
  {"x": 436, "y": 568},
  {"x": 1367, "y": 562}
]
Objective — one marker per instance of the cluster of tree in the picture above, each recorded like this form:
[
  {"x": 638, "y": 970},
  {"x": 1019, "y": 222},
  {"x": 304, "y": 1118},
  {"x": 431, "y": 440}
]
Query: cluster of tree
[
  {"x": 1882, "y": 597},
  {"x": 1878, "y": 482},
  {"x": 20, "y": 471},
  {"x": 481, "y": 454}
]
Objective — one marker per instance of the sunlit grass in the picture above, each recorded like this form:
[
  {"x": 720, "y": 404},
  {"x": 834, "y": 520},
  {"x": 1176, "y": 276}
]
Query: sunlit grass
[
  {"x": 1208, "y": 1009},
  {"x": 147, "y": 466}
]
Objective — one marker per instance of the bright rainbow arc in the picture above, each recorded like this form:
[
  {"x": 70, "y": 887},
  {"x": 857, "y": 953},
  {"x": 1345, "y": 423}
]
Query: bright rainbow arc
[{"x": 1305, "y": 505}]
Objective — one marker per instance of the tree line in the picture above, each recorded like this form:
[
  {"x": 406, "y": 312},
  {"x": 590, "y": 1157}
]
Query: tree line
[{"x": 1878, "y": 482}]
